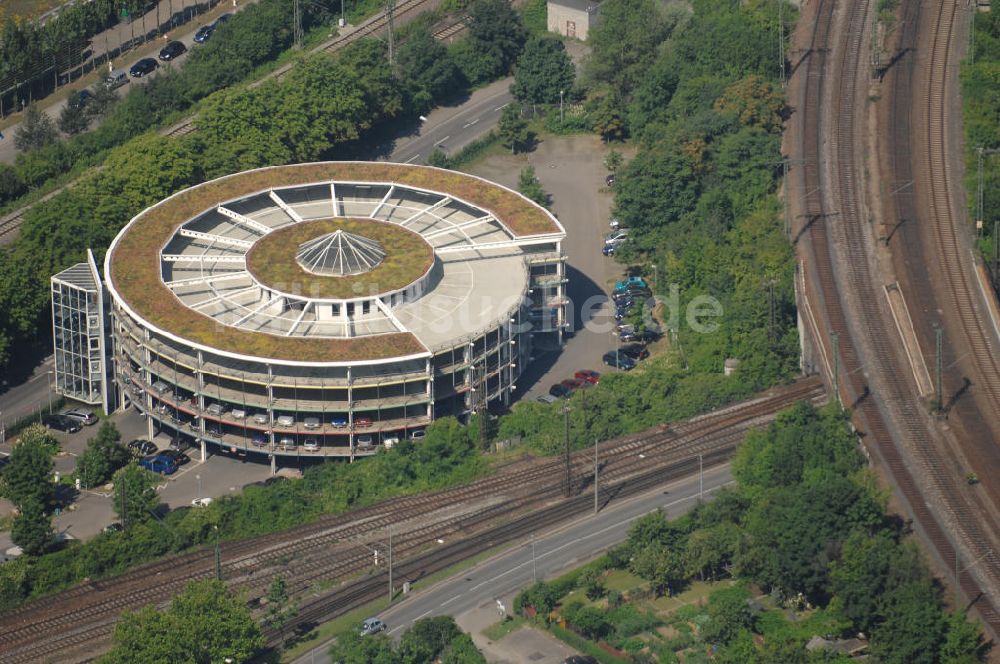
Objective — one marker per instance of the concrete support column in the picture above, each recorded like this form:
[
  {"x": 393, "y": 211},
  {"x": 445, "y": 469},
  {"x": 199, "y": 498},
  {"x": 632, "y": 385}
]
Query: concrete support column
[
  {"x": 270, "y": 410},
  {"x": 204, "y": 450},
  {"x": 274, "y": 464},
  {"x": 350, "y": 409}
]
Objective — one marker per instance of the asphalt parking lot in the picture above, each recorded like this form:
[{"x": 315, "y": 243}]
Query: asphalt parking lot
[{"x": 571, "y": 169}]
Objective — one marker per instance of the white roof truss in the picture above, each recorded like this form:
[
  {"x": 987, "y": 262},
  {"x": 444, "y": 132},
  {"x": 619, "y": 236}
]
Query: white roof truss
[
  {"x": 388, "y": 314},
  {"x": 244, "y": 221},
  {"x": 208, "y": 279},
  {"x": 298, "y": 320},
  {"x": 202, "y": 258},
  {"x": 284, "y": 206},
  {"x": 526, "y": 242},
  {"x": 458, "y": 228},
  {"x": 222, "y": 296},
  {"x": 253, "y": 312},
  {"x": 427, "y": 210},
  {"x": 215, "y": 239},
  {"x": 378, "y": 208}
]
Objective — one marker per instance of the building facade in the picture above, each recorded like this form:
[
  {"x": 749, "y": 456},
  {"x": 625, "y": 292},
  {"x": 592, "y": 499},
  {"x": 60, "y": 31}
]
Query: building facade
[
  {"x": 572, "y": 18},
  {"x": 324, "y": 309},
  {"x": 79, "y": 334}
]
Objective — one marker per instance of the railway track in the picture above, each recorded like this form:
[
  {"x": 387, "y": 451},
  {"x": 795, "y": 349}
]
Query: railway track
[
  {"x": 875, "y": 378},
  {"x": 338, "y": 548}
]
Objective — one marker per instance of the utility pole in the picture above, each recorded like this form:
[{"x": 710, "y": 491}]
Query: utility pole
[
  {"x": 483, "y": 409},
  {"x": 772, "y": 314},
  {"x": 390, "y": 8},
  {"x": 568, "y": 475},
  {"x": 534, "y": 577},
  {"x": 939, "y": 366},
  {"x": 390, "y": 563},
  {"x": 701, "y": 479},
  {"x": 297, "y": 23},
  {"x": 781, "y": 40},
  {"x": 218, "y": 556},
  {"x": 595, "y": 476},
  {"x": 835, "y": 347}
]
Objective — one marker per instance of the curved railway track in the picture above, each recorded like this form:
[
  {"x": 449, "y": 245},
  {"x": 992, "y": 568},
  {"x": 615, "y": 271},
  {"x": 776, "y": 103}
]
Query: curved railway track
[
  {"x": 874, "y": 375},
  {"x": 338, "y": 547}
]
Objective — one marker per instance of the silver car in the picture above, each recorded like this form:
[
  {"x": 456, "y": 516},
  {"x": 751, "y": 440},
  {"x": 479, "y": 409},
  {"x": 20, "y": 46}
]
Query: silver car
[
  {"x": 81, "y": 415},
  {"x": 373, "y": 626}
]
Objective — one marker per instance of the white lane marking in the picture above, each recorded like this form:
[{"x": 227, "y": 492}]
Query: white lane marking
[
  {"x": 587, "y": 536},
  {"x": 500, "y": 108},
  {"x": 449, "y": 601},
  {"x": 442, "y": 140},
  {"x": 469, "y": 124},
  {"x": 411, "y": 159},
  {"x": 425, "y": 613}
]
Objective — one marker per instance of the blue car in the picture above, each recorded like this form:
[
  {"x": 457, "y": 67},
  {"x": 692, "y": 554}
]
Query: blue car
[
  {"x": 631, "y": 282},
  {"x": 339, "y": 422},
  {"x": 159, "y": 463}
]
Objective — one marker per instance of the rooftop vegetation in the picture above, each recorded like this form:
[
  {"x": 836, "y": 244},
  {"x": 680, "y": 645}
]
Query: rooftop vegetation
[{"x": 272, "y": 260}]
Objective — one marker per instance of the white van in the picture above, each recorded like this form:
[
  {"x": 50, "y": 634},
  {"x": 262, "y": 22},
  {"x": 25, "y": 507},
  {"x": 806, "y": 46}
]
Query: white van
[{"x": 116, "y": 79}]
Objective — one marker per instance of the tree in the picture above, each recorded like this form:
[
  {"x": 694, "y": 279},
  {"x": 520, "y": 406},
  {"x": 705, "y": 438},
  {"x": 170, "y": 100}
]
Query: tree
[
  {"x": 203, "y": 625},
  {"x": 462, "y": 650},
  {"x": 513, "y": 129},
  {"x": 427, "y": 639},
  {"x": 101, "y": 100},
  {"x": 613, "y": 161},
  {"x": 279, "y": 610},
  {"x": 496, "y": 37},
  {"x": 103, "y": 455},
  {"x": 528, "y": 184},
  {"x": 36, "y": 130},
  {"x": 963, "y": 642},
  {"x": 32, "y": 529},
  {"x": 28, "y": 476},
  {"x": 439, "y": 159},
  {"x": 135, "y": 498},
  {"x": 73, "y": 119},
  {"x": 426, "y": 63},
  {"x": 592, "y": 582},
  {"x": 912, "y": 625},
  {"x": 663, "y": 567},
  {"x": 608, "y": 122},
  {"x": 543, "y": 72},
  {"x": 729, "y": 614},
  {"x": 624, "y": 43}
]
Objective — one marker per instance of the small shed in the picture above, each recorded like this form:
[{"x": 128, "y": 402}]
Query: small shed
[{"x": 572, "y": 18}]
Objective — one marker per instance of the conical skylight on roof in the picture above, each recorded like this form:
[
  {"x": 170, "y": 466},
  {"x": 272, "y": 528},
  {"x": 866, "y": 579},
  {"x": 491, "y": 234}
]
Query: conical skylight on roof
[{"x": 339, "y": 254}]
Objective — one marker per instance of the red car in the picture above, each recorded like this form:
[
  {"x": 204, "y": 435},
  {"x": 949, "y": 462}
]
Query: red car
[
  {"x": 588, "y": 375},
  {"x": 575, "y": 384},
  {"x": 362, "y": 421}
]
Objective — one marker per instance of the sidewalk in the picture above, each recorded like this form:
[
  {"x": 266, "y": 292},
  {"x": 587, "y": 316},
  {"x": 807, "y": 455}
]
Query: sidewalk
[{"x": 525, "y": 644}]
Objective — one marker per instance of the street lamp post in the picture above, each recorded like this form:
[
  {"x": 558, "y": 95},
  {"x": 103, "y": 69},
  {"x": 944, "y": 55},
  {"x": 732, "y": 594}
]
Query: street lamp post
[
  {"x": 566, "y": 410},
  {"x": 561, "y": 116},
  {"x": 51, "y": 388},
  {"x": 595, "y": 476},
  {"x": 198, "y": 477}
]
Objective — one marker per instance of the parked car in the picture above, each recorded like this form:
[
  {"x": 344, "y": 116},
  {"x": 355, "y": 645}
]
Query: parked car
[
  {"x": 61, "y": 423},
  {"x": 631, "y": 292},
  {"x": 418, "y": 434},
  {"x": 81, "y": 415},
  {"x": 363, "y": 421},
  {"x": 142, "y": 447},
  {"x": 579, "y": 659},
  {"x": 177, "y": 456},
  {"x": 311, "y": 423},
  {"x": 609, "y": 249},
  {"x": 115, "y": 527},
  {"x": 79, "y": 100},
  {"x": 259, "y": 439},
  {"x": 588, "y": 375},
  {"x": 620, "y": 360},
  {"x": 365, "y": 440},
  {"x": 388, "y": 440},
  {"x": 142, "y": 68},
  {"x": 373, "y": 626},
  {"x": 635, "y": 351},
  {"x": 560, "y": 391},
  {"x": 614, "y": 223},
  {"x": 213, "y": 428},
  {"x": 215, "y": 409},
  {"x": 630, "y": 282},
  {"x": 338, "y": 422},
  {"x": 115, "y": 79},
  {"x": 172, "y": 50},
  {"x": 160, "y": 387},
  {"x": 286, "y": 443},
  {"x": 575, "y": 384},
  {"x": 201, "y": 502},
  {"x": 610, "y": 180},
  {"x": 238, "y": 413},
  {"x": 203, "y": 33},
  {"x": 222, "y": 19},
  {"x": 546, "y": 398},
  {"x": 260, "y": 418},
  {"x": 285, "y": 421},
  {"x": 311, "y": 445},
  {"x": 158, "y": 463}
]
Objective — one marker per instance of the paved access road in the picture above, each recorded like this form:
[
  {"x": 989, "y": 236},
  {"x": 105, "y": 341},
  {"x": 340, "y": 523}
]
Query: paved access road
[
  {"x": 453, "y": 127},
  {"x": 546, "y": 556}
]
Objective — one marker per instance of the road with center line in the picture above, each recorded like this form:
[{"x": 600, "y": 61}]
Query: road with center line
[{"x": 545, "y": 557}]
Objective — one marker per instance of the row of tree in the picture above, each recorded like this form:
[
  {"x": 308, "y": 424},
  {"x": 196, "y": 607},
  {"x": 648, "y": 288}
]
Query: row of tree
[{"x": 806, "y": 524}]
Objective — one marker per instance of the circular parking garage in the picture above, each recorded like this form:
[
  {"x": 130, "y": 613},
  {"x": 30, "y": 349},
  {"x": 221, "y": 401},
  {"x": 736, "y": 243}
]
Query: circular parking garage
[{"x": 325, "y": 309}]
